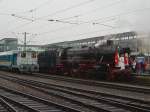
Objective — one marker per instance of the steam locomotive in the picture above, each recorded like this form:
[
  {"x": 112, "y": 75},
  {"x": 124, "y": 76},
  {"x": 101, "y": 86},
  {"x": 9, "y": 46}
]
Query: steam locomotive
[{"x": 109, "y": 62}]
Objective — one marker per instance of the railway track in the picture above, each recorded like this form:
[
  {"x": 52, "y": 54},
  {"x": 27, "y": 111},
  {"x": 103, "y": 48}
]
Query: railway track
[
  {"x": 95, "y": 101},
  {"x": 5, "y": 106},
  {"x": 120, "y": 86},
  {"x": 15, "y": 101},
  {"x": 112, "y": 85}
]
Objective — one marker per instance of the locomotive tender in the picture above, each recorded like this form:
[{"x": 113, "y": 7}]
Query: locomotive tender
[
  {"x": 19, "y": 61},
  {"x": 104, "y": 62}
]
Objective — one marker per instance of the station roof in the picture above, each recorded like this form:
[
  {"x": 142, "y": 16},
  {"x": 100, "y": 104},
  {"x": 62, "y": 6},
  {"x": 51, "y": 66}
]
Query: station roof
[{"x": 95, "y": 39}]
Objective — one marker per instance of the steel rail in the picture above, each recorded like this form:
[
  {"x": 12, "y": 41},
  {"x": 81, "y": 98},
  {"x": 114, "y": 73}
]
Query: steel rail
[{"x": 131, "y": 106}]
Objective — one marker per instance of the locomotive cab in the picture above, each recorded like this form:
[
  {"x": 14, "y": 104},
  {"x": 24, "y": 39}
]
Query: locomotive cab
[
  {"x": 27, "y": 61},
  {"x": 121, "y": 69}
]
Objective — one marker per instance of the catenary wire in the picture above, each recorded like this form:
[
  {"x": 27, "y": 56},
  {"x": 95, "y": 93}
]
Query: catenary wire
[
  {"x": 68, "y": 8},
  {"x": 117, "y": 15}
]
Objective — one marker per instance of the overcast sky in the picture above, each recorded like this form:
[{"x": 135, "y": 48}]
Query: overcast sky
[{"x": 50, "y": 21}]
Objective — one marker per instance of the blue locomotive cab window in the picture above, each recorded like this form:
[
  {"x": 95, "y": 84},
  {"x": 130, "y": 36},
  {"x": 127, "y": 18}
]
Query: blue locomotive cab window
[{"x": 23, "y": 54}]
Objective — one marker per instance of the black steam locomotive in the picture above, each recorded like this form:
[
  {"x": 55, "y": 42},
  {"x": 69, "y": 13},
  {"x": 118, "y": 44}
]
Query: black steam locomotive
[{"x": 104, "y": 62}]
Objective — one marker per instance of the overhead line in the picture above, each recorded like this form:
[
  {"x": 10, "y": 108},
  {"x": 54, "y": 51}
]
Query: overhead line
[
  {"x": 14, "y": 15},
  {"x": 36, "y": 8},
  {"x": 124, "y": 13},
  {"x": 120, "y": 14},
  {"x": 19, "y": 26},
  {"x": 77, "y": 5},
  {"x": 31, "y": 10},
  {"x": 68, "y": 8},
  {"x": 62, "y": 28},
  {"x": 60, "y": 20},
  {"x": 91, "y": 11}
]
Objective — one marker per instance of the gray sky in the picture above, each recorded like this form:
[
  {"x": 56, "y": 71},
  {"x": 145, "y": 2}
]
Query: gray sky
[{"x": 74, "y": 19}]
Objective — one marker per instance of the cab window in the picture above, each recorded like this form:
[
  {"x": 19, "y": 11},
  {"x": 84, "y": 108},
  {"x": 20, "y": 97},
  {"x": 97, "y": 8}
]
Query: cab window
[
  {"x": 33, "y": 55},
  {"x": 23, "y": 55}
]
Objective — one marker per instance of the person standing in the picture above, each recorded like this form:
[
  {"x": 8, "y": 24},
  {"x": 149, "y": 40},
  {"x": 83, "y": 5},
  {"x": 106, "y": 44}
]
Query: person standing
[
  {"x": 134, "y": 65},
  {"x": 138, "y": 68}
]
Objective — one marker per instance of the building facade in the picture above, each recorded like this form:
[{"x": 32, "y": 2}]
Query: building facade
[{"x": 8, "y": 44}]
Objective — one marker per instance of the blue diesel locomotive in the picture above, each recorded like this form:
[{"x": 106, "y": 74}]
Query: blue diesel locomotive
[{"x": 19, "y": 61}]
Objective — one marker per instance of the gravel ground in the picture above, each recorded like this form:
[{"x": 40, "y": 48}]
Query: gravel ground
[
  {"x": 140, "y": 96},
  {"x": 37, "y": 93}
]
